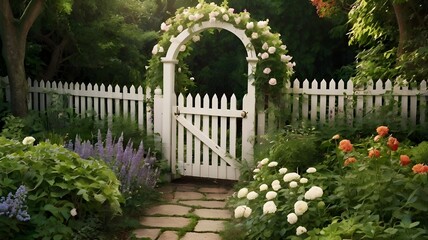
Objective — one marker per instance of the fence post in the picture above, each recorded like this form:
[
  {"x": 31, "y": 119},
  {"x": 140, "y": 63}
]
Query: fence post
[{"x": 157, "y": 112}]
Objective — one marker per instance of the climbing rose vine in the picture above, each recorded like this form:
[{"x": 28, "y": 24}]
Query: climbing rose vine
[{"x": 274, "y": 66}]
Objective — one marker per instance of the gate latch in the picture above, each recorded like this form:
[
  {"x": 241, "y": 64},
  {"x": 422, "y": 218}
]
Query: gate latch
[{"x": 244, "y": 114}]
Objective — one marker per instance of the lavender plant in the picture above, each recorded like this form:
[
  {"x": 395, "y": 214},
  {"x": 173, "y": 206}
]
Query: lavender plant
[
  {"x": 134, "y": 168},
  {"x": 14, "y": 205}
]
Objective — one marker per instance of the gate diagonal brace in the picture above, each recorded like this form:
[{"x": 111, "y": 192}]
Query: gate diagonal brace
[{"x": 222, "y": 153}]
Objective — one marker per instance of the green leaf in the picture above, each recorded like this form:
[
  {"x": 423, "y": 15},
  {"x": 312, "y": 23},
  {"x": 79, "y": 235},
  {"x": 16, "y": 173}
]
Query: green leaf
[
  {"x": 100, "y": 198},
  {"x": 391, "y": 231}
]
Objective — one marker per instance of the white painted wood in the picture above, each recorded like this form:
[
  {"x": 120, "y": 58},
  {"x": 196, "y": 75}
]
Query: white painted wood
[
  {"x": 188, "y": 161},
  {"x": 314, "y": 102},
  {"x": 82, "y": 100},
  {"x": 331, "y": 111},
  {"x": 296, "y": 102},
  {"x": 222, "y": 172},
  {"x": 149, "y": 110},
  {"x": 103, "y": 103},
  {"x": 304, "y": 99},
  {"x": 196, "y": 168},
  {"x": 423, "y": 98},
  {"x": 158, "y": 111},
  {"x": 233, "y": 141},
  {"x": 125, "y": 103},
  {"x": 323, "y": 102},
  {"x": 205, "y": 168},
  {"x": 368, "y": 99},
  {"x": 214, "y": 160}
]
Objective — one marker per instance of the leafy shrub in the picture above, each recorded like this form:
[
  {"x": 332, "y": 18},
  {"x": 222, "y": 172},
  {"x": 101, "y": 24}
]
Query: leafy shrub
[{"x": 62, "y": 189}]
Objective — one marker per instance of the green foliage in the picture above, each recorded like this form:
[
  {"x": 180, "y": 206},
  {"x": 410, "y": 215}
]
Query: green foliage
[
  {"x": 420, "y": 153},
  {"x": 58, "y": 181},
  {"x": 13, "y": 127}
]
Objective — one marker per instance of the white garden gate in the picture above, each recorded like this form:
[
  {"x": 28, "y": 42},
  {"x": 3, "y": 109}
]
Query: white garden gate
[{"x": 200, "y": 136}]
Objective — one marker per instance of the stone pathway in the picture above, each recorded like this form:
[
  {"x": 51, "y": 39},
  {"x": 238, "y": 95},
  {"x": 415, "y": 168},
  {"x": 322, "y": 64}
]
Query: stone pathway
[{"x": 190, "y": 211}]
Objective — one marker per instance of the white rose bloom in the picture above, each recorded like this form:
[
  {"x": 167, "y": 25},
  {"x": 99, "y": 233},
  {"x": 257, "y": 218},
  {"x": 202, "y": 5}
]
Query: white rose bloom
[
  {"x": 293, "y": 184},
  {"x": 191, "y": 17},
  {"x": 237, "y": 20},
  {"x": 252, "y": 195},
  {"x": 262, "y": 24},
  {"x": 73, "y": 212},
  {"x": 300, "y": 230},
  {"x": 265, "y": 55},
  {"x": 263, "y": 187},
  {"x": 303, "y": 180},
  {"x": 269, "y": 207},
  {"x": 264, "y": 161},
  {"x": 254, "y": 35},
  {"x": 180, "y": 28},
  {"x": 271, "y": 195},
  {"x": 28, "y": 140},
  {"x": 267, "y": 70},
  {"x": 273, "y": 164},
  {"x": 271, "y": 50},
  {"x": 242, "y": 192},
  {"x": 283, "y": 47},
  {"x": 286, "y": 58},
  {"x": 291, "y": 176},
  {"x": 292, "y": 218},
  {"x": 164, "y": 27},
  {"x": 247, "y": 212},
  {"x": 283, "y": 170},
  {"x": 183, "y": 48},
  {"x": 272, "y": 81},
  {"x": 231, "y": 10},
  {"x": 313, "y": 193},
  {"x": 155, "y": 49},
  {"x": 290, "y": 65},
  {"x": 300, "y": 207},
  {"x": 265, "y": 46},
  {"x": 250, "y": 25},
  {"x": 276, "y": 187},
  {"x": 239, "y": 211},
  {"x": 226, "y": 17},
  {"x": 311, "y": 170},
  {"x": 196, "y": 38},
  {"x": 256, "y": 170}
]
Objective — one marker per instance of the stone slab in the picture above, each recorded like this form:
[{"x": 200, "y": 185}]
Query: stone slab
[
  {"x": 218, "y": 196},
  {"x": 185, "y": 187},
  {"x": 168, "y": 209},
  {"x": 213, "y": 213},
  {"x": 201, "y": 236},
  {"x": 188, "y": 195},
  {"x": 151, "y": 233},
  {"x": 168, "y": 235},
  {"x": 205, "y": 204},
  {"x": 213, "y": 190},
  {"x": 209, "y": 226},
  {"x": 165, "y": 222}
]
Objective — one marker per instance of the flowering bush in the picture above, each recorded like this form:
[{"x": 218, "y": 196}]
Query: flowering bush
[
  {"x": 274, "y": 66},
  {"x": 279, "y": 203}
]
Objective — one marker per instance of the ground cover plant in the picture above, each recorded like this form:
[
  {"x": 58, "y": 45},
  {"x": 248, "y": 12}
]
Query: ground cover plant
[{"x": 375, "y": 188}]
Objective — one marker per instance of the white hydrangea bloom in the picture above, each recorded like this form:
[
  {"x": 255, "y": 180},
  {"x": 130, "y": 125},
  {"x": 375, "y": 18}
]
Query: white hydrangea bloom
[
  {"x": 300, "y": 207},
  {"x": 273, "y": 164},
  {"x": 73, "y": 212},
  {"x": 265, "y": 55},
  {"x": 254, "y": 35},
  {"x": 252, "y": 195},
  {"x": 239, "y": 211},
  {"x": 264, "y": 161},
  {"x": 275, "y": 182},
  {"x": 183, "y": 48},
  {"x": 291, "y": 176},
  {"x": 196, "y": 38},
  {"x": 269, "y": 207},
  {"x": 28, "y": 140},
  {"x": 314, "y": 193},
  {"x": 256, "y": 170},
  {"x": 283, "y": 170},
  {"x": 293, "y": 184},
  {"x": 300, "y": 230},
  {"x": 271, "y": 195},
  {"x": 263, "y": 187},
  {"x": 311, "y": 170},
  {"x": 262, "y": 24},
  {"x": 247, "y": 212},
  {"x": 250, "y": 25},
  {"x": 242, "y": 192},
  {"x": 303, "y": 180},
  {"x": 276, "y": 187},
  {"x": 292, "y": 218},
  {"x": 180, "y": 28}
]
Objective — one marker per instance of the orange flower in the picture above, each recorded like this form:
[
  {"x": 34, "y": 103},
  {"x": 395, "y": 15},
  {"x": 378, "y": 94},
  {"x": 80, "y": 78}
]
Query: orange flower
[
  {"x": 374, "y": 153},
  {"x": 345, "y": 145},
  {"x": 404, "y": 160},
  {"x": 349, "y": 161},
  {"x": 382, "y": 131},
  {"x": 420, "y": 168},
  {"x": 393, "y": 143}
]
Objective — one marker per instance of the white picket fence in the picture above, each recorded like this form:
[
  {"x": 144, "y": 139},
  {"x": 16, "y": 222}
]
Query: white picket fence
[{"x": 316, "y": 102}]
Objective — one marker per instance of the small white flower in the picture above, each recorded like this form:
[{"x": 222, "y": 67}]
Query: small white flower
[
  {"x": 314, "y": 193},
  {"x": 212, "y": 19},
  {"x": 267, "y": 70},
  {"x": 254, "y": 35},
  {"x": 213, "y": 14},
  {"x": 300, "y": 207},
  {"x": 28, "y": 140},
  {"x": 196, "y": 38},
  {"x": 247, "y": 212},
  {"x": 180, "y": 28},
  {"x": 222, "y": 10},
  {"x": 262, "y": 24},
  {"x": 267, "y": 33},
  {"x": 198, "y": 6},
  {"x": 283, "y": 47},
  {"x": 303, "y": 180},
  {"x": 272, "y": 81},
  {"x": 311, "y": 170},
  {"x": 283, "y": 170},
  {"x": 265, "y": 55},
  {"x": 73, "y": 212},
  {"x": 271, "y": 50},
  {"x": 273, "y": 164},
  {"x": 231, "y": 10},
  {"x": 242, "y": 192},
  {"x": 226, "y": 17},
  {"x": 276, "y": 187},
  {"x": 263, "y": 187},
  {"x": 290, "y": 65},
  {"x": 271, "y": 195},
  {"x": 269, "y": 207},
  {"x": 237, "y": 20},
  {"x": 191, "y": 17},
  {"x": 164, "y": 27},
  {"x": 161, "y": 49},
  {"x": 265, "y": 46},
  {"x": 264, "y": 161},
  {"x": 292, "y": 218},
  {"x": 183, "y": 48},
  {"x": 291, "y": 176},
  {"x": 293, "y": 184},
  {"x": 155, "y": 49},
  {"x": 256, "y": 170},
  {"x": 300, "y": 230},
  {"x": 250, "y": 25},
  {"x": 275, "y": 182},
  {"x": 286, "y": 58},
  {"x": 239, "y": 211},
  {"x": 252, "y": 195}
]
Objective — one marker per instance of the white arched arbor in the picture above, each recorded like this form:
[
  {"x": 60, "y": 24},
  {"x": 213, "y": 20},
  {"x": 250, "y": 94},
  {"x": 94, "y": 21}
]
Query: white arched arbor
[{"x": 169, "y": 65}]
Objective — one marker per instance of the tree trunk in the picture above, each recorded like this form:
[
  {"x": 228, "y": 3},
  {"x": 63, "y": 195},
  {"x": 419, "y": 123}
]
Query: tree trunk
[{"x": 402, "y": 16}]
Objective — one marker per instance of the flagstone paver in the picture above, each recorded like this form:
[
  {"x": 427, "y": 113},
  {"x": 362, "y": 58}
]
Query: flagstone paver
[
  {"x": 205, "y": 204},
  {"x": 188, "y": 195},
  {"x": 168, "y": 235},
  {"x": 166, "y": 222},
  {"x": 217, "y": 196},
  {"x": 209, "y": 226},
  {"x": 201, "y": 236},
  {"x": 170, "y": 210},
  {"x": 213, "y": 213},
  {"x": 151, "y": 233},
  {"x": 213, "y": 190}
]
